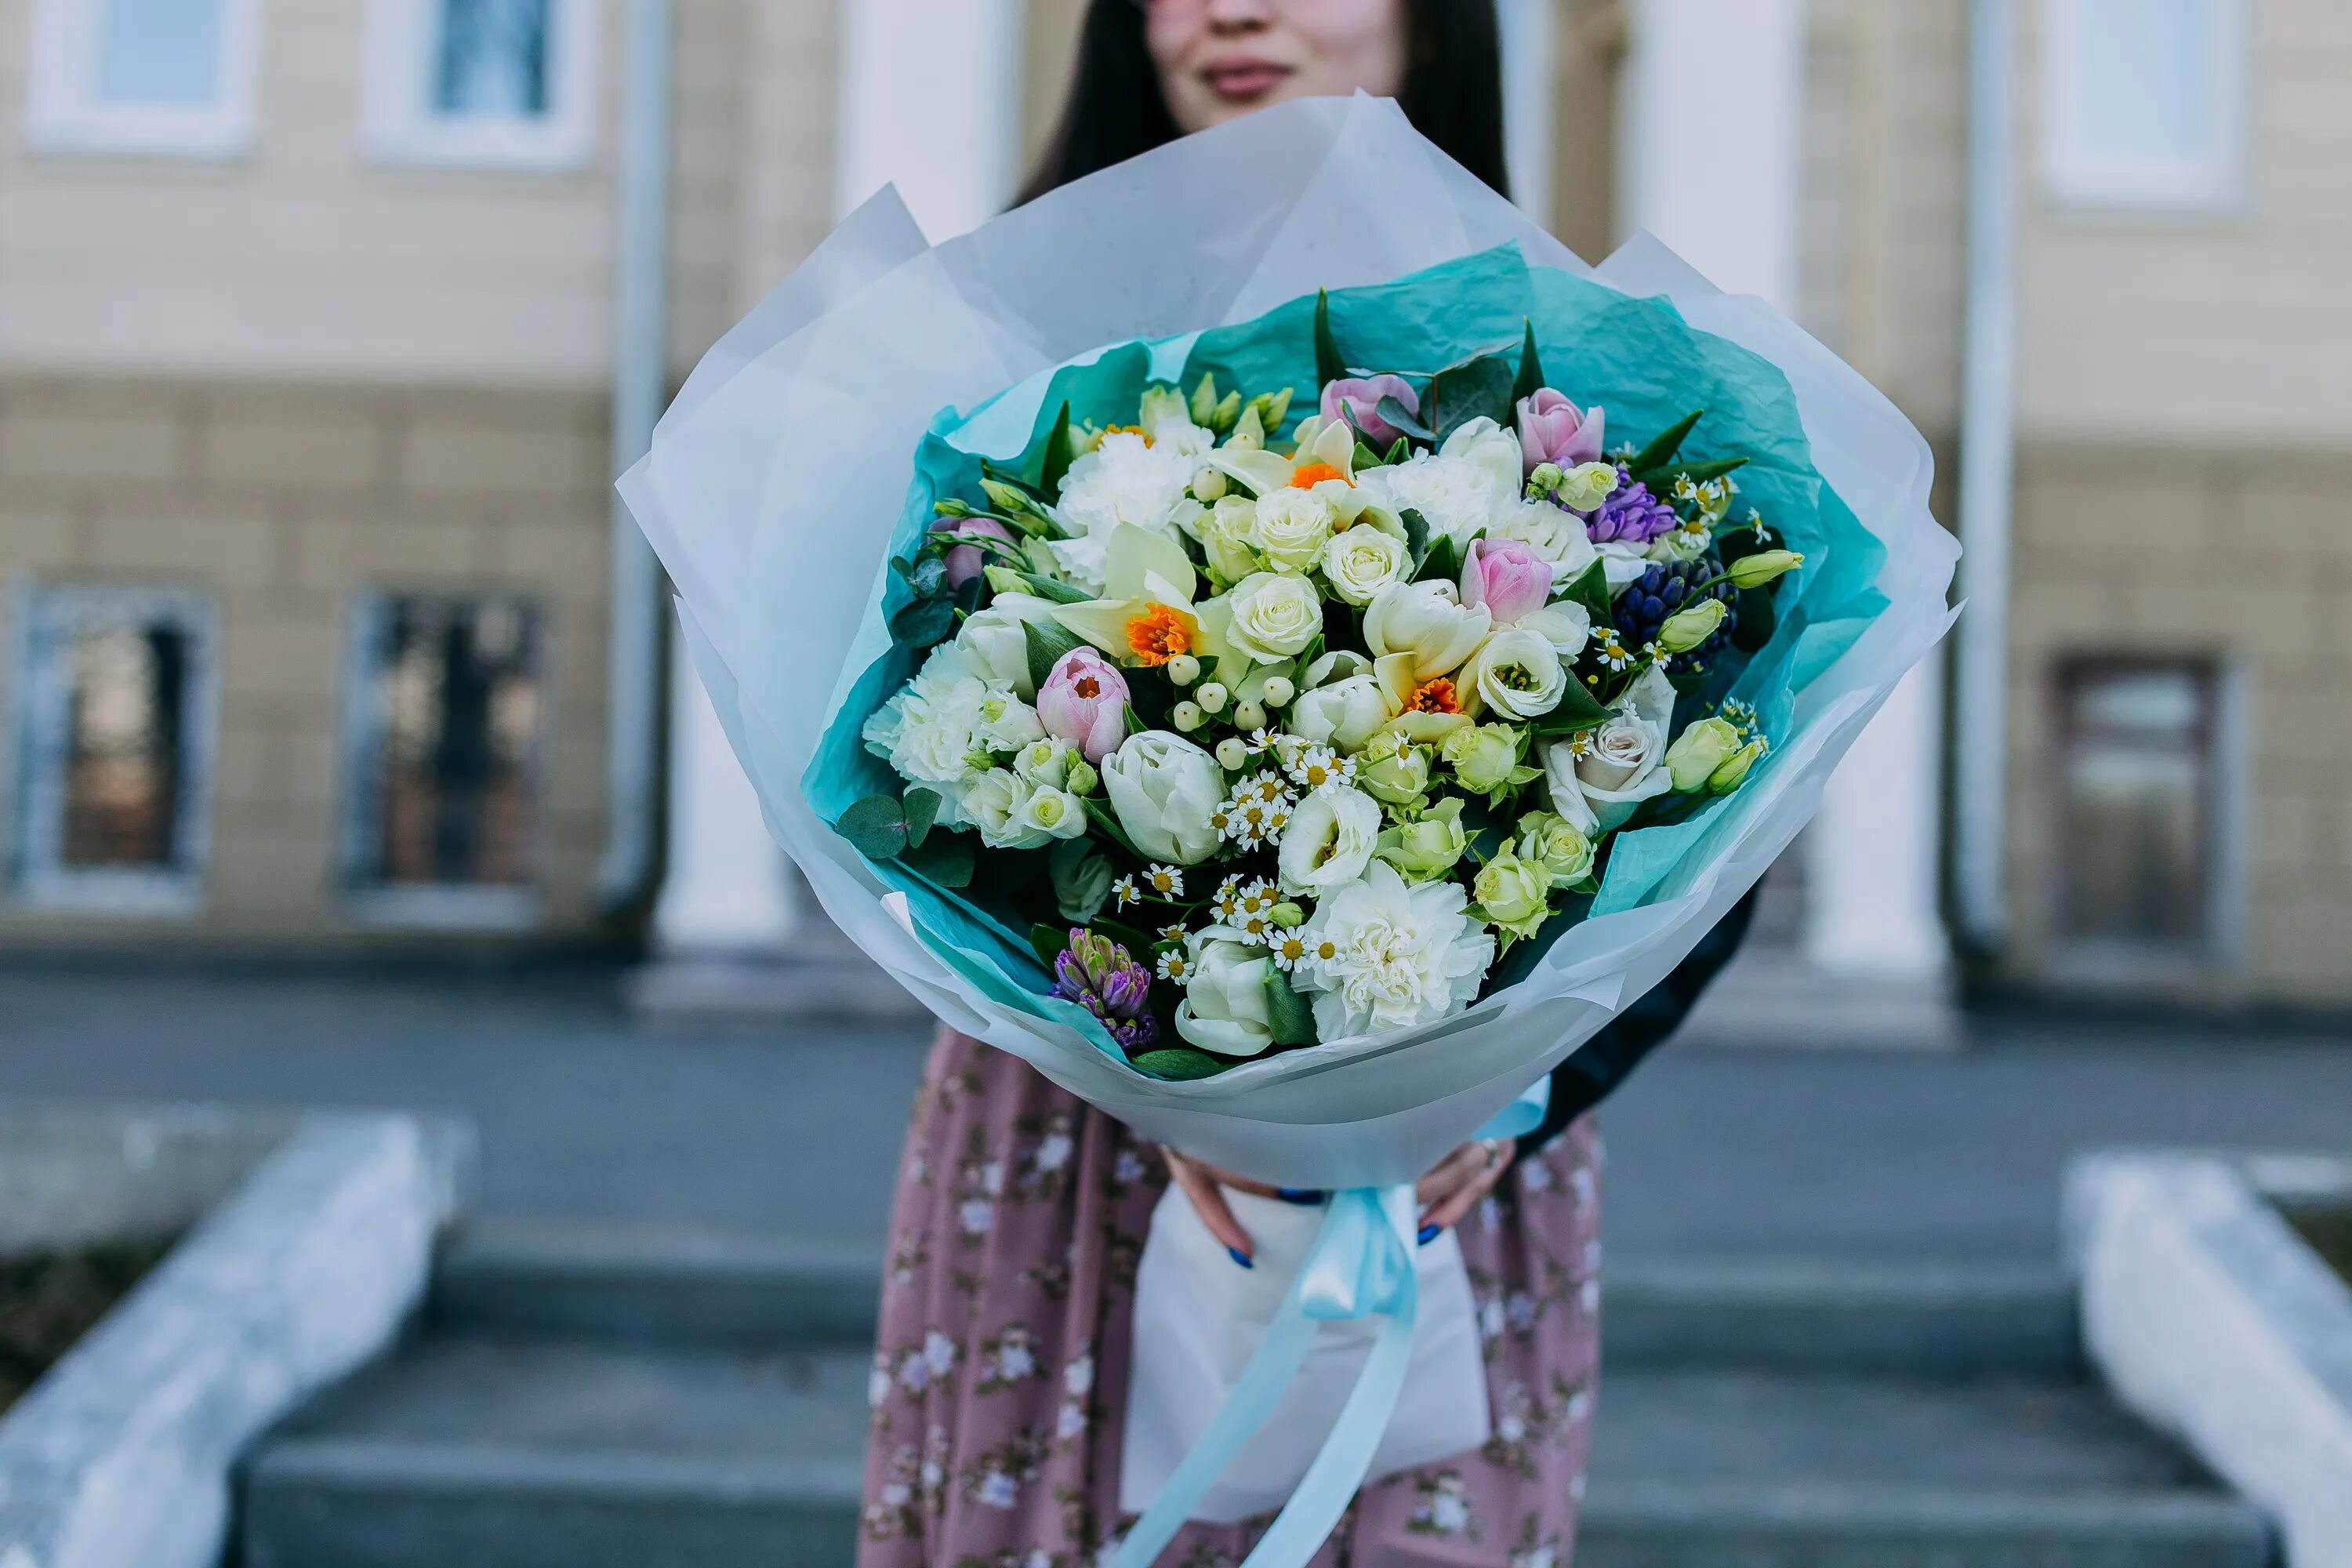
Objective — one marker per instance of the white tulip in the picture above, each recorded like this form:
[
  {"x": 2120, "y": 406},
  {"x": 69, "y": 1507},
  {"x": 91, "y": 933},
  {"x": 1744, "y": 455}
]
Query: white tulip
[
  {"x": 1426, "y": 620},
  {"x": 1163, "y": 789},
  {"x": 1224, "y": 1008}
]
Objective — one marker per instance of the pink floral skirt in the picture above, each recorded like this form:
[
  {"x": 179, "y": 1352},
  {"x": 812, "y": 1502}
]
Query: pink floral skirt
[{"x": 1000, "y": 1361}]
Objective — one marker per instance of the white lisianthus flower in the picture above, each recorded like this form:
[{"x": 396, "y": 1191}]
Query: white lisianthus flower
[
  {"x": 1274, "y": 614},
  {"x": 997, "y": 647},
  {"x": 1558, "y": 536},
  {"x": 1007, "y": 724},
  {"x": 1329, "y": 840},
  {"x": 1383, "y": 954},
  {"x": 1126, "y": 478},
  {"x": 1225, "y": 1008},
  {"x": 1290, "y": 528},
  {"x": 1055, "y": 813},
  {"x": 1565, "y": 624},
  {"x": 1516, "y": 673},
  {"x": 1342, "y": 704},
  {"x": 1428, "y": 621},
  {"x": 992, "y": 805},
  {"x": 1362, "y": 562},
  {"x": 1163, "y": 789},
  {"x": 931, "y": 727},
  {"x": 1599, "y": 778}
]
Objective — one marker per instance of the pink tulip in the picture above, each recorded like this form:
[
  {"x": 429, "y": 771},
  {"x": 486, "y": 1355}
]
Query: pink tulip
[
  {"x": 1506, "y": 577},
  {"x": 1554, "y": 430},
  {"x": 1083, "y": 701},
  {"x": 1362, "y": 399},
  {"x": 965, "y": 560}
]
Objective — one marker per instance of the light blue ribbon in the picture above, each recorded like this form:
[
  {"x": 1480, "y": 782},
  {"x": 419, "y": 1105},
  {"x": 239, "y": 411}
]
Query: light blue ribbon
[{"x": 1361, "y": 1265}]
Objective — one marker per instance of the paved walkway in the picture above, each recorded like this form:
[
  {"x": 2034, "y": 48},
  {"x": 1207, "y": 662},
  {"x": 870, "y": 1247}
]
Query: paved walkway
[{"x": 586, "y": 1117}]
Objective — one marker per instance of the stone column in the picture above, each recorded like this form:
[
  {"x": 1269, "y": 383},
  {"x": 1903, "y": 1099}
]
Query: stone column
[{"x": 1710, "y": 158}]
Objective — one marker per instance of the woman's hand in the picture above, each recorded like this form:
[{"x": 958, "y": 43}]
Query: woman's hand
[{"x": 1446, "y": 1192}]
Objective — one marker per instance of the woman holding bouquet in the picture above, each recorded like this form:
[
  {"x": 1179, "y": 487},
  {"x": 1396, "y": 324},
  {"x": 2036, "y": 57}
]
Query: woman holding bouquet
[{"x": 1002, "y": 1355}]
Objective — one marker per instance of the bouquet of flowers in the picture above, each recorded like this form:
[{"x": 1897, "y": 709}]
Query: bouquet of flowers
[
  {"x": 1272, "y": 708},
  {"x": 1274, "y": 732}
]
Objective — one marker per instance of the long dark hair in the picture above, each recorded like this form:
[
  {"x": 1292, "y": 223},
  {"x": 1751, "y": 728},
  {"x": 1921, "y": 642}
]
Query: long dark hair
[{"x": 1452, "y": 92}]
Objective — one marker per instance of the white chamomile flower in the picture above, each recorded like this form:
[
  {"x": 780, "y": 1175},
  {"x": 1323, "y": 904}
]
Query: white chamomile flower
[
  {"x": 1228, "y": 903},
  {"x": 1165, "y": 881},
  {"x": 1173, "y": 932},
  {"x": 1317, "y": 768},
  {"x": 1287, "y": 948},
  {"x": 1653, "y": 652},
  {"x": 1614, "y": 653},
  {"x": 1262, "y": 740},
  {"x": 1175, "y": 967},
  {"x": 1125, "y": 892}
]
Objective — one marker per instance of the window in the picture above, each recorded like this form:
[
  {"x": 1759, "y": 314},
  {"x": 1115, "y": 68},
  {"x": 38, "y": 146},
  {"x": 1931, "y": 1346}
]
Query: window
[
  {"x": 446, "y": 723},
  {"x": 2144, "y": 102},
  {"x": 155, "y": 78},
  {"x": 116, "y": 695},
  {"x": 2140, "y": 804},
  {"x": 481, "y": 83}
]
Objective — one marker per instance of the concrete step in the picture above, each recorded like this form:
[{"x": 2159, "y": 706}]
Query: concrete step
[
  {"x": 490, "y": 1452},
  {"x": 1929, "y": 1320},
  {"x": 499, "y": 1453}
]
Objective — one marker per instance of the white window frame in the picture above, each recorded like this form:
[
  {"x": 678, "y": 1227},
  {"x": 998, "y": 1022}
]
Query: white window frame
[
  {"x": 64, "y": 114},
  {"x": 47, "y": 616},
  {"x": 453, "y": 907},
  {"x": 2073, "y": 176},
  {"x": 398, "y": 127}
]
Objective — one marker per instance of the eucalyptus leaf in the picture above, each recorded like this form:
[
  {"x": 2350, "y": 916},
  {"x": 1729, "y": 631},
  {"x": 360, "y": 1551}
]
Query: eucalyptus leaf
[
  {"x": 1291, "y": 1015},
  {"x": 1179, "y": 1063},
  {"x": 1661, "y": 452},
  {"x": 929, "y": 577},
  {"x": 1532, "y": 377},
  {"x": 1048, "y": 644},
  {"x": 922, "y": 623},
  {"x": 1329, "y": 366},
  {"x": 877, "y": 826},
  {"x": 923, "y": 810},
  {"x": 1463, "y": 393},
  {"x": 946, "y": 860},
  {"x": 1390, "y": 409}
]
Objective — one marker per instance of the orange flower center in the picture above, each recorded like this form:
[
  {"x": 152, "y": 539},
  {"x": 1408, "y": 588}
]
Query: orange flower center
[
  {"x": 1437, "y": 697},
  {"x": 1088, "y": 688},
  {"x": 1129, "y": 430},
  {"x": 1308, "y": 475},
  {"x": 1159, "y": 635}
]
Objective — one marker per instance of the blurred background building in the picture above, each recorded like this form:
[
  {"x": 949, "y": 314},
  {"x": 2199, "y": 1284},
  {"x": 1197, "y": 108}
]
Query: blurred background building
[{"x": 325, "y": 324}]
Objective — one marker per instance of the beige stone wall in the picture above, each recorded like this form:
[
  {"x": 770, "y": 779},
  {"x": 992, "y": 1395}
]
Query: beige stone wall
[
  {"x": 284, "y": 501},
  {"x": 2148, "y": 548}
]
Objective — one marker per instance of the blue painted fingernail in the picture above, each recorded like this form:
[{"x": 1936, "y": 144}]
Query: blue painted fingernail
[
  {"x": 1305, "y": 1197},
  {"x": 1428, "y": 1234},
  {"x": 1238, "y": 1256}
]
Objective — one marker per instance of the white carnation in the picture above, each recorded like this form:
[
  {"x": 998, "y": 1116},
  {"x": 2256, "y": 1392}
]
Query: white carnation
[
  {"x": 1383, "y": 955},
  {"x": 1126, "y": 479},
  {"x": 1461, "y": 489},
  {"x": 930, "y": 729}
]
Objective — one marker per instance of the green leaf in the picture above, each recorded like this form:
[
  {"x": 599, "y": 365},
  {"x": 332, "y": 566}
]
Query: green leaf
[
  {"x": 922, "y": 808},
  {"x": 1590, "y": 589},
  {"x": 1465, "y": 392},
  {"x": 1060, "y": 452},
  {"x": 1108, "y": 826},
  {"x": 1532, "y": 377},
  {"x": 1757, "y": 618},
  {"x": 946, "y": 860},
  {"x": 1289, "y": 1013},
  {"x": 1048, "y": 942},
  {"x": 1577, "y": 709},
  {"x": 1661, "y": 480},
  {"x": 1390, "y": 409},
  {"x": 1365, "y": 456},
  {"x": 1398, "y": 450},
  {"x": 1047, "y": 646},
  {"x": 1179, "y": 1063},
  {"x": 922, "y": 623},
  {"x": 1442, "y": 563},
  {"x": 1417, "y": 532},
  {"x": 877, "y": 826},
  {"x": 1661, "y": 452},
  {"x": 1050, "y": 588},
  {"x": 1328, "y": 365}
]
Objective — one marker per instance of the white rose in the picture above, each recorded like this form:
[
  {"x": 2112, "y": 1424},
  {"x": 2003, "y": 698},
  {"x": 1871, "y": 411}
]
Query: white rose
[
  {"x": 1225, "y": 531},
  {"x": 1163, "y": 789},
  {"x": 1558, "y": 536},
  {"x": 1624, "y": 763},
  {"x": 1516, "y": 673},
  {"x": 1290, "y": 528},
  {"x": 1426, "y": 620},
  {"x": 1329, "y": 840},
  {"x": 996, "y": 647},
  {"x": 1274, "y": 614},
  {"x": 1224, "y": 1008},
  {"x": 1383, "y": 954},
  {"x": 1362, "y": 562}
]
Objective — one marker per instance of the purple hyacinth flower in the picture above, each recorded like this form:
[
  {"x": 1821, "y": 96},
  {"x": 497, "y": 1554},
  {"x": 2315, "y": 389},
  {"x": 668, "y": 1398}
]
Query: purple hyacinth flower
[
  {"x": 1098, "y": 974},
  {"x": 1632, "y": 514}
]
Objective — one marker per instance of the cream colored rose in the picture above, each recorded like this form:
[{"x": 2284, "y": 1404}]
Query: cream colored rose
[
  {"x": 1362, "y": 562},
  {"x": 1275, "y": 616},
  {"x": 1291, "y": 529}
]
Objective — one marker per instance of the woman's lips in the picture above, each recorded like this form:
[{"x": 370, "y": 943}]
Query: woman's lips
[{"x": 1239, "y": 80}]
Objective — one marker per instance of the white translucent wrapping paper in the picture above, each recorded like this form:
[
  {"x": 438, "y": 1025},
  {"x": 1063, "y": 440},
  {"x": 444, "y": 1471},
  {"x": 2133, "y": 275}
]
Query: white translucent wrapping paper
[{"x": 774, "y": 481}]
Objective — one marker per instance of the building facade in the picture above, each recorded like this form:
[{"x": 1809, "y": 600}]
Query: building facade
[{"x": 306, "y": 349}]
